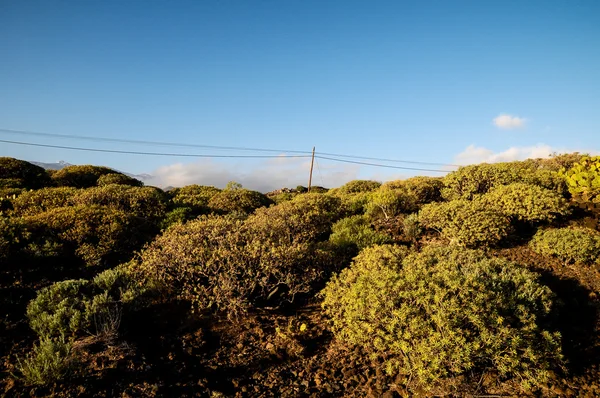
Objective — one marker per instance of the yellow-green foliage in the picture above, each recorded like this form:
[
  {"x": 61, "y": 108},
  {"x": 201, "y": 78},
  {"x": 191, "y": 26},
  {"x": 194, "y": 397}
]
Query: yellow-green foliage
[
  {"x": 118, "y": 178},
  {"x": 15, "y": 173},
  {"x": 147, "y": 202},
  {"x": 356, "y": 231},
  {"x": 95, "y": 234},
  {"x": 13, "y": 236},
  {"x": 76, "y": 307},
  {"x": 424, "y": 189},
  {"x": 525, "y": 202},
  {"x": 444, "y": 312},
  {"x": 41, "y": 200},
  {"x": 478, "y": 179},
  {"x": 48, "y": 362},
  {"x": 195, "y": 197},
  {"x": 357, "y": 186},
  {"x": 230, "y": 265},
  {"x": 85, "y": 176},
  {"x": 388, "y": 202},
  {"x": 238, "y": 200},
  {"x": 567, "y": 244},
  {"x": 352, "y": 203},
  {"x": 466, "y": 223},
  {"x": 583, "y": 179}
]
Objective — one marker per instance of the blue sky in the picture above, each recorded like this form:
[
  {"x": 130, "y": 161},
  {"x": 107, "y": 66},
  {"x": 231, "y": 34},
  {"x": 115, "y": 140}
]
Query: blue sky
[{"x": 432, "y": 81}]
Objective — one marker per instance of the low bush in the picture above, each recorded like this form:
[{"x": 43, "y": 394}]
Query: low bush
[
  {"x": 388, "y": 203},
  {"x": 568, "y": 245},
  {"x": 230, "y": 264},
  {"x": 358, "y": 186},
  {"x": 84, "y": 176},
  {"x": 73, "y": 308},
  {"x": 41, "y": 200},
  {"x": 15, "y": 173},
  {"x": 424, "y": 189},
  {"x": 118, "y": 178},
  {"x": 97, "y": 235},
  {"x": 525, "y": 202},
  {"x": 146, "y": 202},
  {"x": 51, "y": 360},
  {"x": 473, "y": 180},
  {"x": 356, "y": 231},
  {"x": 13, "y": 236},
  {"x": 411, "y": 227},
  {"x": 195, "y": 197},
  {"x": 444, "y": 312},
  {"x": 466, "y": 223},
  {"x": 238, "y": 200}
]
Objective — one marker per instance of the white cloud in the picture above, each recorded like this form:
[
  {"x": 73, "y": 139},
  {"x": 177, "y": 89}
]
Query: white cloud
[
  {"x": 263, "y": 176},
  {"x": 509, "y": 122},
  {"x": 474, "y": 154}
]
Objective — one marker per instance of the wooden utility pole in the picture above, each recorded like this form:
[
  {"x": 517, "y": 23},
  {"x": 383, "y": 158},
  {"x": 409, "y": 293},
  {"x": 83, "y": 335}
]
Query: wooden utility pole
[{"x": 312, "y": 162}]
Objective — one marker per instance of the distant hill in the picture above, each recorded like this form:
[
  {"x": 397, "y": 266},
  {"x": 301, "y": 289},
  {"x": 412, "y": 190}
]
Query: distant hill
[{"x": 62, "y": 164}]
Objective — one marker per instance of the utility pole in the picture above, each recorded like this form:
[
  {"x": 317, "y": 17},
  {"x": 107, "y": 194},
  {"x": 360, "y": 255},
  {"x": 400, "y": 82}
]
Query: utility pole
[{"x": 312, "y": 162}]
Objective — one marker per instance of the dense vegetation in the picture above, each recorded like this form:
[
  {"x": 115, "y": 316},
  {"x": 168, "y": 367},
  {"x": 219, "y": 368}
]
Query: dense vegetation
[{"x": 483, "y": 282}]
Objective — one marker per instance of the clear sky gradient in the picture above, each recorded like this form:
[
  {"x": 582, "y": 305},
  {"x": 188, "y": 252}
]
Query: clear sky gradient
[{"x": 413, "y": 80}]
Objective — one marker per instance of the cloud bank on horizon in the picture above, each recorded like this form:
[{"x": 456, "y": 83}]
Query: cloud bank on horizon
[
  {"x": 264, "y": 176},
  {"x": 476, "y": 154}
]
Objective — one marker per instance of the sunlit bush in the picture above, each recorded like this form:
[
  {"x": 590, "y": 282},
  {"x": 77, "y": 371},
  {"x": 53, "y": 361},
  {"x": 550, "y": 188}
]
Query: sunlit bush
[
  {"x": 41, "y": 200},
  {"x": 49, "y": 361},
  {"x": 118, "y": 178},
  {"x": 387, "y": 202},
  {"x": 97, "y": 235},
  {"x": 444, "y": 312},
  {"x": 472, "y": 180},
  {"x": 424, "y": 189},
  {"x": 525, "y": 202},
  {"x": 147, "y": 202},
  {"x": 464, "y": 222},
  {"x": 195, "y": 197},
  {"x": 358, "y": 186},
  {"x": 356, "y": 231},
  {"x": 567, "y": 244},
  {"x": 229, "y": 264},
  {"x": 238, "y": 200},
  {"x": 85, "y": 176}
]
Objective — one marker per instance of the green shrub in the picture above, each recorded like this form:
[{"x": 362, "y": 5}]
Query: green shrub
[
  {"x": 389, "y": 203},
  {"x": 356, "y": 231},
  {"x": 230, "y": 265},
  {"x": 50, "y": 361},
  {"x": 118, "y": 178},
  {"x": 85, "y": 176},
  {"x": 72, "y": 308},
  {"x": 177, "y": 215},
  {"x": 424, "y": 189},
  {"x": 526, "y": 202},
  {"x": 242, "y": 200},
  {"x": 411, "y": 227},
  {"x": 146, "y": 202},
  {"x": 41, "y": 200},
  {"x": 15, "y": 173},
  {"x": 478, "y": 179},
  {"x": 97, "y": 235},
  {"x": 195, "y": 197},
  {"x": 59, "y": 309},
  {"x": 467, "y": 223},
  {"x": 568, "y": 245},
  {"x": 444, "y": 312},
  {"x": 13, "y": 236},
  {"x": 358, "y": 186}
]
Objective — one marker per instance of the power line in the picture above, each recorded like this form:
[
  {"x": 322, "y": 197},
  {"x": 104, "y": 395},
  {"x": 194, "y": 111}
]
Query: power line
[
  {"x": 387, "y": 160},
  {"x": 218, "y": 147},
  {"x": 149, "y": 153},
  {"x": 381, "y": 165},
  {"x": 159, "y": 143}
]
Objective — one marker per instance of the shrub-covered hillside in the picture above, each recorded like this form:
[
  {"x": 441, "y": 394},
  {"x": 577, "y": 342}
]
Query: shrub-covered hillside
[{"x": 484, "y": 282}]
